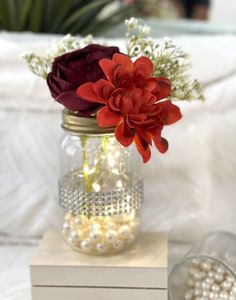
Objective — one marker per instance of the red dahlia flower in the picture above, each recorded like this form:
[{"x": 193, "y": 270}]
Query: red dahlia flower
[{"x": 131, "y": 101}]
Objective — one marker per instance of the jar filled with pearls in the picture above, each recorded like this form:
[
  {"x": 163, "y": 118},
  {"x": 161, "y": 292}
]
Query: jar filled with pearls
[
  {"x": 100, "y": 188},
  {"x": 208, "y": 271}
]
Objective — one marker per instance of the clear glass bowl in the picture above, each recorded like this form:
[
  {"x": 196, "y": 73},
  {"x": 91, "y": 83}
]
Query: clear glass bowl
[{"x": 207, "y": 271}]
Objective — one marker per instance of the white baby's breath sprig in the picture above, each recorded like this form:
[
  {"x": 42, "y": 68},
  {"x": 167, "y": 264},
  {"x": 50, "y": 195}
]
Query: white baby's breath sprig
[
  {"x": 168, "y": 60},
  {"x": 41, "y": 65}
]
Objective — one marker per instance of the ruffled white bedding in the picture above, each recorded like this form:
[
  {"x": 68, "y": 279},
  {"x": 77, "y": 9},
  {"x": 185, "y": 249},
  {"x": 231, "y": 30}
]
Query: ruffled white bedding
[{"x": 188, "y": 192}]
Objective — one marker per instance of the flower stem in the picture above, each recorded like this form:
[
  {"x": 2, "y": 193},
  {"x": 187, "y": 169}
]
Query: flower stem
[{"x": 87, "y": 182}]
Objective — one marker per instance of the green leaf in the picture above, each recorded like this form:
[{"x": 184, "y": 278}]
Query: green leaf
[
  {"x": 80, "y": 12},
  {"x": 57, "y": 16},
  {"x": 82, "y": 25},
  {"x": 24, "y": 14},
  {"x": 8, "y": 14},
  {"x": 116, "y": 18},
  {"x": 37, "y": 15},
  {"x": 57, "y": 12}
]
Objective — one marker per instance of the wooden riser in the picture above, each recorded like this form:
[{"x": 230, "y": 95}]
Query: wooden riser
[{"x": 65, "y": 293}]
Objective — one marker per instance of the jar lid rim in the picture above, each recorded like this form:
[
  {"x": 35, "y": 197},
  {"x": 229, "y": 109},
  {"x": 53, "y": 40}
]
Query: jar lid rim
[{"x": 83, "y": 125}]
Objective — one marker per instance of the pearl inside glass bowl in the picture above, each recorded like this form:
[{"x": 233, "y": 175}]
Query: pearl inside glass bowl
[{"x": 209, "y": 280}]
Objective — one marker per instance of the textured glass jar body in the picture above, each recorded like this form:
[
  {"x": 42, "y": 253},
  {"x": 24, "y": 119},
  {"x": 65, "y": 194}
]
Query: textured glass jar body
[
  {"x": 100, "y": 190},
  {"x": 208, "y": 271}
]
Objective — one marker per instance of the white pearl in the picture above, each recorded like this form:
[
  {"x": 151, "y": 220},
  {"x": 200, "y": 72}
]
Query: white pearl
[
  {"x": 203, "y": 275},
  {"x": 230, "y": 279},
  {"x": 131, "y": 216},
  {"x": 224, "y": 295},
  {"x": 209, "y": 280},
  {"x": 188, "y": 295},
  {"x": 215, "y": 266},
  {"x": 197, "y": 292},
  {"x": 220, "y": 270},
  {"x": 118, "y": 218},
  {"x": 205, "y": 293},
  {"x": 233, "y": 290},
  {"x": 95, "y": 226},
  {"x": 86, "y": 245},
  {"x": 205, "y": 285},
  {"x": 192, "y": 271},
  {"x": 219, "y": 277},
  {"x": 65, "y": 226},
  {"x": 196, "y": 262},
  {"x": 226, "y": 285},
  {"x": 131, "y": 238},
  {"x": 111, "y": 236},
  {"x": 124, "y": 231},
  {"x": 232, "y": 297},
  {"x": 206, "y": 266},
  {"x": 211, "y": 274},
  {"x": 95, "y": 235},
  {"x": 68, "y": 217},
  {"x": 198, "y": 275},
  {"x": 70, "y": 240},
  {"x": 75, "y": 236},
  {"x": 111, "y": 226},
  {"x": 198, "y": 284},
  {"x": 191, "y": 283},
  {"x": 78, "y": 220},
  {"x": 213, "y": 295},
  {"x": 101, "y": 247},
  {"x": 215, "y": 287},
  {"x": 118, "y": 245},
  {"x": 133, "y": 225}
]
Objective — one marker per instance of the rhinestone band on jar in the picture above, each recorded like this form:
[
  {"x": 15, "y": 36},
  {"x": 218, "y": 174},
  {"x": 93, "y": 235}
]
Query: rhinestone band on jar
[{"x": 117, "y": 201}]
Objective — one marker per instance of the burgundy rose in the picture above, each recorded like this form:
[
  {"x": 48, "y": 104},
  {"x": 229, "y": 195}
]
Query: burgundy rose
[{"x": 73, "y": 69}]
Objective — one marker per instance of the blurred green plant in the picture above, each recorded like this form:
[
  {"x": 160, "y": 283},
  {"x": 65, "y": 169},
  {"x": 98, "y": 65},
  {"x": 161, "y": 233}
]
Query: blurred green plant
[{"x": 62, "y": 16}]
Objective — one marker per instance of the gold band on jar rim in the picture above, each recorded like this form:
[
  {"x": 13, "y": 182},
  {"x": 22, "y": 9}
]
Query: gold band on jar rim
[{"x": 83, "y": 125}]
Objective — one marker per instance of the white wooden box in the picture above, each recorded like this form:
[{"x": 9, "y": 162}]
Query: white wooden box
[{"x": 140, "y": 272}]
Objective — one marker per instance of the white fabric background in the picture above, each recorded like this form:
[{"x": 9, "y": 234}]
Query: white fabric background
[{"x": 188, "y": 191}]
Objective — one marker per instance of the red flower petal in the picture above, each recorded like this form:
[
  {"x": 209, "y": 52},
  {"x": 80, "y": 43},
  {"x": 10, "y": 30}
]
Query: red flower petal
[
  {"x": 126, "y": 105},
  {"x": 73, "y": 103},
  {"x": 144, "y": 135},
  {"x": 170, "y": 112},
  {"x": 107, "y": 66},
  {"x": 103, "y": 89},
  {"x": 144, "y": 66},
  {"x": 124, "y": 60},
  {"x": 124, "y": 134},
  {"x": 99, "y": 91},
  {"x": 161, "y": 144},
  {"x": 150, "y": 84},
  {"x": 143, "y": 148},
  {"x": 163, "y": 89},
  {"x": 106, "y": 118}
]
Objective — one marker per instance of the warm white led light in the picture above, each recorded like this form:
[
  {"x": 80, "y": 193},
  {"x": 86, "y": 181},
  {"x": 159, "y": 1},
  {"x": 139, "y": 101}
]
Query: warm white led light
[
  {"x": 96, "y": 187},
  {"x": 115, "y": 171},
  {"x": 91, "y": 171},
  {"x": 86, "y": 168},
  {"x": 119, "y": 184},
  {"x": 117, "y": 154}
]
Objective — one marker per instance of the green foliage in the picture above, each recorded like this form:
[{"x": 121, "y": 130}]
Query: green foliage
[{"x": 60, "y": 16}]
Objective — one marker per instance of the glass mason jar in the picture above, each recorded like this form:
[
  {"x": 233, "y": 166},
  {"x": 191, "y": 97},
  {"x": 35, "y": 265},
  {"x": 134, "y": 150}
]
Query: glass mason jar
[
  {"x": 208, "y": 270},
  {"x": 100, "y": 187}
]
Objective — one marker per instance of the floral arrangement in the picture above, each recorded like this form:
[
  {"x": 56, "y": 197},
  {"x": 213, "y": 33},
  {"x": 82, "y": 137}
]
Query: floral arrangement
[{"x": 132, "y": 92}]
